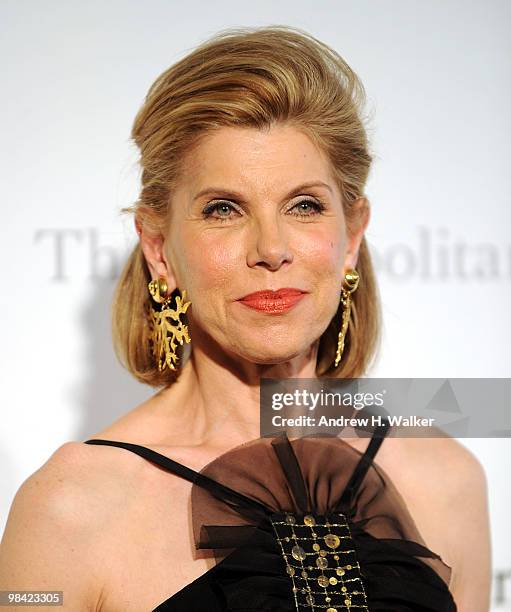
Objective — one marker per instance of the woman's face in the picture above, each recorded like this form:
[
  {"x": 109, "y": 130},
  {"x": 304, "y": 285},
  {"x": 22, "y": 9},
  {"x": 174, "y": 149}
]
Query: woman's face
[{"x": 253, "y": 211}]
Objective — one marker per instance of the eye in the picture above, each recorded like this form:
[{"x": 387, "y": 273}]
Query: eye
[
  {"x": 308, "y": 208},
  {"x": 222, "y": 208},
  {"x": 222, "y": 211}
]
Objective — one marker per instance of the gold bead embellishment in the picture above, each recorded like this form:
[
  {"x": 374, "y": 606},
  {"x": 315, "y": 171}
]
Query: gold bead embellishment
[
  {"x": 298, "y": 553},
  {"x": 332, "y": 541},
  {"x": 309, "y": 520},
  {"x": 323, "y": 581},
  {"x": 321, "y": 562},
  {"x": 322, "y": 578}
]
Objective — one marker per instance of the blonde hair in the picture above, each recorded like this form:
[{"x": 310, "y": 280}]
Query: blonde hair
[{"x": 249, "y": 77}]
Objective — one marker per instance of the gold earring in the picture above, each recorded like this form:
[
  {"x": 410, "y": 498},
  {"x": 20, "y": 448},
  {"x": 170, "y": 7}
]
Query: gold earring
[
  {"x": 351, "y": 279},
  {"x": 166, "y": 327}
]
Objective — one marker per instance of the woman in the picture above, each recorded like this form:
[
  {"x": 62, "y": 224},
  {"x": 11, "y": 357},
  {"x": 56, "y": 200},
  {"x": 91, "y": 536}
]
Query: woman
[{"x": 251, "y": 250}]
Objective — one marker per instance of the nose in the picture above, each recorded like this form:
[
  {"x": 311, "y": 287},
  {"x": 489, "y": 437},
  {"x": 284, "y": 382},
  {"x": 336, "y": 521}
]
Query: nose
[{"x": 269, "y": 245}]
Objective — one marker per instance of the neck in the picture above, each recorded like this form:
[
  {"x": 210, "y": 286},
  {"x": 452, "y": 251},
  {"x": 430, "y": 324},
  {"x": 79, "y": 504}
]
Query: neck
[{"x": 219, "y": 403}]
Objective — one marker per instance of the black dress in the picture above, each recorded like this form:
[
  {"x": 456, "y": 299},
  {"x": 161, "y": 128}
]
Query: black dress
[{"x": 304, "y": 525}]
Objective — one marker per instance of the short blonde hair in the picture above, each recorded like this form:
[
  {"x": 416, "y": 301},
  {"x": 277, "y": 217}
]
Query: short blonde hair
[{"x": 249, "y": 77}]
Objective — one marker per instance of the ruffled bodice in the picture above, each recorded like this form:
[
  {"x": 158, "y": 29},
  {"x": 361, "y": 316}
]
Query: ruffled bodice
[{"x": 309, "y": 524}]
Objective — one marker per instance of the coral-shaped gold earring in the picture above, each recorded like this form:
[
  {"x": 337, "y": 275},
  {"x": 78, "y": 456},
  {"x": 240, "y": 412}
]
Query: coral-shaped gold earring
[
  {"x": 351, "y": 279},
  {"x": 166, "y": 328}
]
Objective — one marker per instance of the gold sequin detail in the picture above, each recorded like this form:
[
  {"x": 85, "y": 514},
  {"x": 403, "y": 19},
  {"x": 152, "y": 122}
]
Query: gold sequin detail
[
  {"x": 321, "y": 562},
  {"x": 309, "y": 520},
  {"x": 332, "y": 541},
  {"x": 323, "y": 581},
  {"x": 323, "y": 578},
  {"x": 298, "y": 553}
]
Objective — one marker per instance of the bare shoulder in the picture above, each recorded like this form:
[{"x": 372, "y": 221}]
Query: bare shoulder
[
  {"x": 74, "y": 481},
  {"x": 51, "y": 538},
  {"x": 58, "y": 488},
  {"x": 450, "y": 463},
  {"x": 466, "y": 512},
  {"x": 447, "y": 492},
  {"x": 443, "y": 470}
]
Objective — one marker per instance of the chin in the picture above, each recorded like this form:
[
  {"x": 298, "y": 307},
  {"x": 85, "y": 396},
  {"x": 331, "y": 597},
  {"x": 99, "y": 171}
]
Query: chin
[{"x": 272, "y": 355}]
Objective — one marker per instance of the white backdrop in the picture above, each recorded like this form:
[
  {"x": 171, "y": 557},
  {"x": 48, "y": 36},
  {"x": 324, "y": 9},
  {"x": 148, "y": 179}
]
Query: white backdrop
[{"x": 438, "y": 81}]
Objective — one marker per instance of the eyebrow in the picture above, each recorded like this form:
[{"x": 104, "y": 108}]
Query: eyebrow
[{"x": 229, "y": 193}]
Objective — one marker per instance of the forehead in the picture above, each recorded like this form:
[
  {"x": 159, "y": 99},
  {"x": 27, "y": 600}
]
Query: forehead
[{"x": 249, "y": 158}]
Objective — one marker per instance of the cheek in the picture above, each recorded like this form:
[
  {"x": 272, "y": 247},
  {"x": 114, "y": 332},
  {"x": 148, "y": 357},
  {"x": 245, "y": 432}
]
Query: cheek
[
  {"x": 323, "y": 251},
  {"x": 211, "y": 262}
]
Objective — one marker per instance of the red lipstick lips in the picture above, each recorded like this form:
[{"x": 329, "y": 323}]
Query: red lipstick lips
[{"x": 273, "y": 302}]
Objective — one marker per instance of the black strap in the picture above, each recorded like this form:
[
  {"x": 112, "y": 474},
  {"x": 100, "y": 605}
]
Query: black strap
[
  {"x": 238, "y": 499},
  {"x": 291, "y": 468},
  {"x": 378, "y": 436},
  {"x": 217, "y": 489},
  {"x": 365, "y": 461}
]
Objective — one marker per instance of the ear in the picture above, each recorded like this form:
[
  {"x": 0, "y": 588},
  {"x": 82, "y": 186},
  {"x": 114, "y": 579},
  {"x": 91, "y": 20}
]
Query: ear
[
  {"x": 360, "y": 216},
  {"x": 152, "y": 243}
]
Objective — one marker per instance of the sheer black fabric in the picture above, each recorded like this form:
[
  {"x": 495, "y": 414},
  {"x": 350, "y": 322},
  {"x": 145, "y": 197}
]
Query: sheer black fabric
[{"x": 309, "y": 524}]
